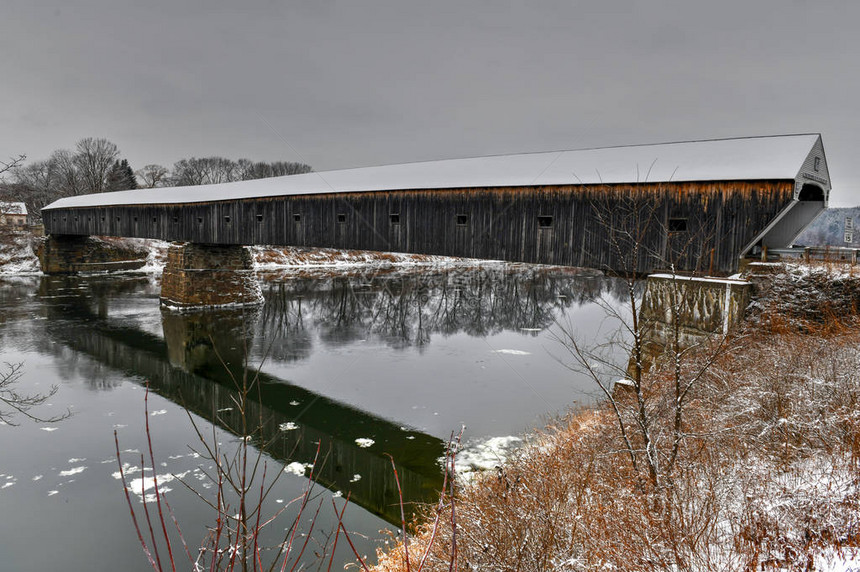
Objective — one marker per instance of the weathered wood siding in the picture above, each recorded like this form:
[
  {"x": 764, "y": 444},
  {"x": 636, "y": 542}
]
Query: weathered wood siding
[{"x": 696, "y": 225}]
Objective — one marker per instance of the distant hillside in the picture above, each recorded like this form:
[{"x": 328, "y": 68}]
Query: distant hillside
[{"x": 829, "y": 229}]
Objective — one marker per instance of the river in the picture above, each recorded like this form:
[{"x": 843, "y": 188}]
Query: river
[{"x": 352, "y": 366}]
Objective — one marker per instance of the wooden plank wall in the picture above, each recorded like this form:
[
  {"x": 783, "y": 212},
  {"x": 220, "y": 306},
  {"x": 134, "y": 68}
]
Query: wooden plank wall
[{"x": 593, "y": 226}]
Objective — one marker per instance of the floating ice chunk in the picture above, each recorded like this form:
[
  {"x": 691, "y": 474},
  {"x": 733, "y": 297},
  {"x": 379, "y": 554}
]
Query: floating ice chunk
[
  {"x": 297, "y": 468},
  {"x": 143, "y": 484},
  {"x": 72, "y": 471},
  {"x": 159, "y": 412},
  {"x": 37, "y": 477},
  {"x": 127, "y": 470},
  {"x": 336, "y": 494},
  {"x": 76, "y": 460},
  {"x": 288, "y": 426},
  {"x": 7, "y": 484},
  {"x": 294, "y": 403},
  {"x": 513, "y": 352},
  {"x": 52, "y": 493},
  {"x": 355, "y": 478},
  {"x": 48, "y": 429},
  {"x": 364, "y": 442}
]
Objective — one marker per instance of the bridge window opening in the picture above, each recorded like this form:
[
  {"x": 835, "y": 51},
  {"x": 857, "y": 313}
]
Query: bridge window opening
[
  {"x": 297, "y": 217},
  {"x": 259, "y": 218},
  {"x": 544, "y": 222},
  {"x": 135, "y": 219},
  {"x": 103, "y": 219},
  {"x": 76, "y": 219},
  {"x": 176, "y": 219},
  {"x": 462, "y": 219},
  {"x": 341, "y": 218},
  {"x": 394, "y": 218},
  {"x": 227, "y": 218},
  {"x": 154, "y": 219},
  {"x": 117, "y": 219},
  {"x": 677, "y": 225},
  {"x": 89, "y": 219},
  {"x": 64, "y": 219},
  {"x": 200, "y": 220},
  {"x": 817, "y": 165},
  {"x": 811, "y": 193}
]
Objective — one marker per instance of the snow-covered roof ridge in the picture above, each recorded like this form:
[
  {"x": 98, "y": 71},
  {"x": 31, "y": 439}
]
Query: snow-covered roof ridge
[
  {"x": 10, "y": 208},
  {"x": 748, "y": 158}
]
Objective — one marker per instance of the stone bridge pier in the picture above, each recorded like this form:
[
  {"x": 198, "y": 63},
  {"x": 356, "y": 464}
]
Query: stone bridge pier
[
  {"x": 207, "y": 275},
  {"x": 195, "y": 276}
]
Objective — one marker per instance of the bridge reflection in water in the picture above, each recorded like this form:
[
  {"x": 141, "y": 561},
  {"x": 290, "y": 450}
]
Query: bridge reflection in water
[
  {"x": 201, "y": 354},
  {"x": 185, "y": 368}
]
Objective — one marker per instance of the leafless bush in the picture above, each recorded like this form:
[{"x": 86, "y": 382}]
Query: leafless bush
[
  {"x": 242, "y": 478},
  {"x": 767, "y": 477}
]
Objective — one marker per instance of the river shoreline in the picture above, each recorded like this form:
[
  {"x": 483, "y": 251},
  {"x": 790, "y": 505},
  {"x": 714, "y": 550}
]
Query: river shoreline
[{"x": 772, "y": 480}]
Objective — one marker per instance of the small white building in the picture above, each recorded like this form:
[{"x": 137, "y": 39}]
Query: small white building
[{"x": 13, "y": 214}]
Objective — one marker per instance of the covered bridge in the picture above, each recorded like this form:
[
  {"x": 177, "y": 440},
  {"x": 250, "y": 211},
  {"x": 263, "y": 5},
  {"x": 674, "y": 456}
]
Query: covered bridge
[{"x": 701, "y": 205}]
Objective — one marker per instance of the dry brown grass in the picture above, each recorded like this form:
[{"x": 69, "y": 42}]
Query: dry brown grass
[{"x": 768, "y": 476}]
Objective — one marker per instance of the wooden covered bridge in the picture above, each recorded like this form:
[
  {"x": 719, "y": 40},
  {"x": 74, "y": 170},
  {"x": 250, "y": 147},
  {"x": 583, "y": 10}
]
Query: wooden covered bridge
[{"x": 698, "y": 205}]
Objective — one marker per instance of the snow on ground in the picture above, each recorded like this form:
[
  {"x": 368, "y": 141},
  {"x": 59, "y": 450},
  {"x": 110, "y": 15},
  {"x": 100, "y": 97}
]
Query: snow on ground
[
  {"x": 277, "y": 258},
  {"x": 837, "y": 563},
  {"x": 475, "y": 457},
  {"x": 16, "y": 254}
]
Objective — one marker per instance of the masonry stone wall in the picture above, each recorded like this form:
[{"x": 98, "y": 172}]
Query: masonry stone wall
[
  {"x": 60, "y": 254},
  {"x": 696, "y": 306},
  {"x": 201, "y": 275}
]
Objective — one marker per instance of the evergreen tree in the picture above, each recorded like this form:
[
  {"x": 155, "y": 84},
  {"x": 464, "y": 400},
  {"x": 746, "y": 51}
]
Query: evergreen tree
[{"x": 121, "y": 177}]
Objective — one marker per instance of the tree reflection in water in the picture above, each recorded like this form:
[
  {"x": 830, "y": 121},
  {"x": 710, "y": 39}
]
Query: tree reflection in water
[
  {"x": 401, "y": 308},
  {"x": 405, "y": 308}
]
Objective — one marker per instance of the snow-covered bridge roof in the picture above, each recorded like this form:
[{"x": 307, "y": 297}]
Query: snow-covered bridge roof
[{"x": 750, "y": 158}]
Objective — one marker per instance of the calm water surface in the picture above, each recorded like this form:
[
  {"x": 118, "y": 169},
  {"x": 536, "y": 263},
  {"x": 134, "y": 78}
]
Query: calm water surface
[{"x": 399, "y": 358}]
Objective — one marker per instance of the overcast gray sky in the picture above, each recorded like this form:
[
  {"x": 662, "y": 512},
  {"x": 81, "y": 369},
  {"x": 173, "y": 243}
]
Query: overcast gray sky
[{"x": 342, "y": 84}]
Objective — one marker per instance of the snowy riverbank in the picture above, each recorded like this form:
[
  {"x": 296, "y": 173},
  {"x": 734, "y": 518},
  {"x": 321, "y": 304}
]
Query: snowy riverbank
[
  {"x": 765, "y": 475},
  {"x": 17, "y": 256}
]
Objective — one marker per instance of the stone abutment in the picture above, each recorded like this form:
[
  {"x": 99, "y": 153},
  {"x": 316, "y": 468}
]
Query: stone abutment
[{"x": 66, "y": 254}]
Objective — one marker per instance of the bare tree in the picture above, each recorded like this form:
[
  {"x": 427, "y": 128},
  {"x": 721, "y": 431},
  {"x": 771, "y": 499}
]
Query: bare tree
[
  {"x": 16, "y": 403},
  {"x": 68, "y": 180},
  {"x": 152, "y": 176},
  {"x": 649, "y": 386},
  {"x": 12, "y": 163},
  {"x": 261, "y": 170},
  {"x": 203, "y": 171},
  {"x": 94, "y": 159},
  {"x": 213, "y": 170}
]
